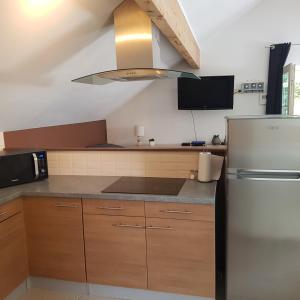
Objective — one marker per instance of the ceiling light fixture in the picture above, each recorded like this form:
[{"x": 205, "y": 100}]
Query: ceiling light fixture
[{"x": 38, "y": 8}]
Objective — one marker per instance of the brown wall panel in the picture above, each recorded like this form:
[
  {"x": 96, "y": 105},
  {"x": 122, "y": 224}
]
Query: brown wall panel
[{"x": 61, "y": 136}]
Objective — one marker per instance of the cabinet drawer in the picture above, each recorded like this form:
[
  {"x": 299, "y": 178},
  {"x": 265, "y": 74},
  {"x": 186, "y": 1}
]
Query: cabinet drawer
[
  {"x": 114, "y": 208},
  {"x": 180, "y": 211},
  {"x": 9, "y": 209}
]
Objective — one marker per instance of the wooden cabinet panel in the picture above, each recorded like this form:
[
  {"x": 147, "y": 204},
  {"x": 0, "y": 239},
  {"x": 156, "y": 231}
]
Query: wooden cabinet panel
[
  {"x": 55, "y": 238},
  {"x": 13, "y": 254},
  {"x": 180, "y": 256},
  {"x": 116, "y": 250},
  {"x": 180, "y": 211},
  {"x": 9, "y": 209},
  {"x": 114, "y": 207}
]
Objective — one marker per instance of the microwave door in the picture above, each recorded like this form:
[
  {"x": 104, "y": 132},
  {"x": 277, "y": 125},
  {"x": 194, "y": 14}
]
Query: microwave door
[
  {"x": 18, "y": 169},
  {"x": 26, "y": 167}
]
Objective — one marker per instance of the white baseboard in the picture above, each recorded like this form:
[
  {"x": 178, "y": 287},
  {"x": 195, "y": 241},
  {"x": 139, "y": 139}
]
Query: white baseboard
[
  {"x": 104, "y": 290},
  {"x": 18, "y": 292}
]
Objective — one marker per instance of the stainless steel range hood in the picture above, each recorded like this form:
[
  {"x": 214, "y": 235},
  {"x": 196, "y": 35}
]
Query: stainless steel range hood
[{"x": 137, "y": 50}]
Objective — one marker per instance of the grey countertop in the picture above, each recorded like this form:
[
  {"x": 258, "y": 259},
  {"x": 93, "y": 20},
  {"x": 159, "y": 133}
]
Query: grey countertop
[{"x": 91, "y": 187}]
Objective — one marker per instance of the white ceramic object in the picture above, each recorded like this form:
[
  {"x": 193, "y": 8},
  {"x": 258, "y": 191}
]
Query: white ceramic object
[
  {"x": 140, "y": 133},
  {"x": 152, "y": 143}
]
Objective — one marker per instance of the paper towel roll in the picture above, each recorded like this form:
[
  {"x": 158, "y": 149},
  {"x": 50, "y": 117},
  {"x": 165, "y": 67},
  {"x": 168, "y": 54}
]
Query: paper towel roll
[{"x": 204, "y": 167}]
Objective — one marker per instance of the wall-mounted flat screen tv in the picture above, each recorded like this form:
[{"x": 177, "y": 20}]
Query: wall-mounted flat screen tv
[{"x": 206, "y": 93}]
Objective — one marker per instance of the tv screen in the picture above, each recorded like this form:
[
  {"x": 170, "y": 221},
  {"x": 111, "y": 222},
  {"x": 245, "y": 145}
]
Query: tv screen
[{"x": 210, "y": 92}]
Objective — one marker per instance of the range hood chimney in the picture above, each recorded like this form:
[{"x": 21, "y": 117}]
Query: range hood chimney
[{"x": 137, "y": 49}]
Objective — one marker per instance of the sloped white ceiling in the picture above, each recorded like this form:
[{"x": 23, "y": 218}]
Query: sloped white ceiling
[
  {"x": 207, "y": 16},
  {"x": 41, "y": 51}
]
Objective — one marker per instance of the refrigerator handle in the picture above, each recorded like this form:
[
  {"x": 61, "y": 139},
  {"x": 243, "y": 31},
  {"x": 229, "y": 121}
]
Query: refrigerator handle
[{"x": 281, "y": 175}]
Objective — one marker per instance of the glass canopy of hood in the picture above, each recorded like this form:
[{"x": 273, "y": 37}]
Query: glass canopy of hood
[{"x": 133, "y": 75}]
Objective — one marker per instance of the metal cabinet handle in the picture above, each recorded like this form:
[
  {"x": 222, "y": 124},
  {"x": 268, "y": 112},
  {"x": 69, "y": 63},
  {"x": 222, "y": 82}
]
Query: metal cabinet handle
[
  {"x": 158, "y": 227},
  {"x": 185, "y": 212},
  {"x": 128, "y": 226},
  {"x": 263, "y": 175},
  {"x": 67, "y": 205},
  {"x": 36, "y": 166},
  {"x": 3, "y": 213},
  {"x": 109, "y": 208}
]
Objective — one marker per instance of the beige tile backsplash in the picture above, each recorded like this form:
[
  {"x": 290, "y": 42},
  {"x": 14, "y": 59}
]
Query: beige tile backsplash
[
  {"x": 1, "y": 141},
  {"x": 118, "y": 163}
]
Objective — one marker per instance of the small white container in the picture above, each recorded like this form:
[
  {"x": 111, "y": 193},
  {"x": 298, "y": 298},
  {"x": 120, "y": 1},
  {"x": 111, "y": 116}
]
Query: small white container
[{"x": 140, "y": 133}]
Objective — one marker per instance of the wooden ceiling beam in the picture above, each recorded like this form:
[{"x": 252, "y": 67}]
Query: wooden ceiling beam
[{"x": 168, "y": 16}]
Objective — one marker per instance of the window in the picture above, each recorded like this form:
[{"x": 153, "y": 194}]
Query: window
[
  {"x": 291, "y": 90},
  {"x": 297, "y": 92}
]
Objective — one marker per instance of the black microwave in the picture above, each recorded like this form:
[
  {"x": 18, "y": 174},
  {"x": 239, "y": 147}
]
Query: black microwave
[{"x": 17, "y": 167}]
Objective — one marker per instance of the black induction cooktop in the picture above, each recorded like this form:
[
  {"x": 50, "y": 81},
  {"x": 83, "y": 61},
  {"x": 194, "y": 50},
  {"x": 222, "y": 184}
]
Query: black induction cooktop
[{"x": 146, "y": 185}]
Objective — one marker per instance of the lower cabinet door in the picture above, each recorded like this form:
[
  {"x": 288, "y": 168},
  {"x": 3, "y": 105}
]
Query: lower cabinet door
[
  {"x": 116, "y": 250},
  {"x": 180, "y": 256},
  {"x": 55, "y": 238},
  {"x": 13, "y": 256}
]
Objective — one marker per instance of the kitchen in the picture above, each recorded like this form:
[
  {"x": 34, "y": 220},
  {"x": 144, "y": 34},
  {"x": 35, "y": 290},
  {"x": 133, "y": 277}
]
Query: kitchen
[{"x": 132, "y": 205}]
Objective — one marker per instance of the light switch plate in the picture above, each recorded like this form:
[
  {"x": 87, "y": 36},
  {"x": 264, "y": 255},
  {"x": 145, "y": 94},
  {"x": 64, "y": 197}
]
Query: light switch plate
[{"x": 263, "y": 99}]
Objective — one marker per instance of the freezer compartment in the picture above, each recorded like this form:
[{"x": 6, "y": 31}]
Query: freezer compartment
[
  {"x": 270, "y": 143},
  {"x": 263, "y": 239}
]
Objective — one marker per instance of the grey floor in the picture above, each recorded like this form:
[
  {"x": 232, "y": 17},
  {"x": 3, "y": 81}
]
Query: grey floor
[{"x": 39, "y": 294}]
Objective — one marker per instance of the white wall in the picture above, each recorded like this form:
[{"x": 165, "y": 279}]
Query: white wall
[
  {"x": 40, "y": 53},
  {"x": 44, "y": 48},
  {"x": 237, "y": 47}
]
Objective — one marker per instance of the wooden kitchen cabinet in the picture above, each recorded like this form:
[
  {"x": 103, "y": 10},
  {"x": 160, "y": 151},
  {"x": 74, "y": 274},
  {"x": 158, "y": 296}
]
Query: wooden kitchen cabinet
[
  {"x": 55, "y": 238},
  {"x": 157, "y": 246},
  {"x": 13, "y": 253},
  {"x": 116, "y": 250},
  {"x": 180, "y": 256}
]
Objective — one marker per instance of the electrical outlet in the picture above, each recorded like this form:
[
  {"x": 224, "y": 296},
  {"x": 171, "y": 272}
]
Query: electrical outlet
[
  {"x": 245, "y": 87},
  {"x": 263, "y": 99},
  {"x": 253, "y": 87},
  {"x": 261, "y": 86}
]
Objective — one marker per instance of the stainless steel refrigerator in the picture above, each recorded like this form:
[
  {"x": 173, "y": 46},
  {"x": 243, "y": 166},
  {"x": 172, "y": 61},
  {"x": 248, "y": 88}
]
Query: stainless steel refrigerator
[{"x": 263, "y": 208}]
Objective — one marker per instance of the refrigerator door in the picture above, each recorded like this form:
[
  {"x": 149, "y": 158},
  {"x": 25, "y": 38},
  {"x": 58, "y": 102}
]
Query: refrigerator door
[
  {"x": 263, "y": 238},
  {"x": 263, "y": 143}
]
